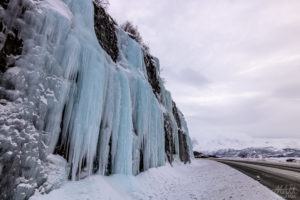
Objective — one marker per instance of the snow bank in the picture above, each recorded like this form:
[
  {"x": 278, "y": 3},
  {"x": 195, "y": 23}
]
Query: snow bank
[{"x": 203, "y": 179}]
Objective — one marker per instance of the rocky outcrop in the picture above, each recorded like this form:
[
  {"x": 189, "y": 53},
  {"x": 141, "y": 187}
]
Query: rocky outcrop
[
  {"x": 11, "y": 49},
  {"x": 152, "y": 73},
  {"x": 176, "y": 114},
  {"x": 184, "y": 149},
  {"x": 169, "y": 139},
  {"x": 105, "y": 31}
]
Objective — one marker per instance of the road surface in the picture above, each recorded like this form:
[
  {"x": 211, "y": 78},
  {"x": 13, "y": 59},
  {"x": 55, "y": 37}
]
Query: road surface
[{"x": 282, "y": 178}]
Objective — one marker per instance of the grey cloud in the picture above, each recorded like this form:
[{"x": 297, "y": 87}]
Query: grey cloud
[
  {"x": 288, "y": 91},
  {"x": 231, "y": 66},
  {"x": 186, "y": 76}
]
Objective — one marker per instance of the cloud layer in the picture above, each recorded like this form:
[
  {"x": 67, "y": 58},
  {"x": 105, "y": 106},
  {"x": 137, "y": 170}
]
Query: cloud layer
[{"x": 232, "y": 66}]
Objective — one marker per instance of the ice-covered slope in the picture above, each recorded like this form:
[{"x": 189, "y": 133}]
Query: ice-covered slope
[{"x": 73, "y": 83}]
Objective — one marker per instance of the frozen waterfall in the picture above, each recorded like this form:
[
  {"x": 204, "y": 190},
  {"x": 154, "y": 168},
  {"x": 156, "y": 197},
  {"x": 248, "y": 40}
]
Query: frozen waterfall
[{"x": 65, "y": 93}]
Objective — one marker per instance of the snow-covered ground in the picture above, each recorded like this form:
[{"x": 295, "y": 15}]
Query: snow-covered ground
[{"x": 203, "y": 179}]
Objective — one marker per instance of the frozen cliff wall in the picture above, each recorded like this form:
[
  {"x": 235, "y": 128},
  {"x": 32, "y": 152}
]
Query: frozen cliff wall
[{"x": 73, "y": 83}]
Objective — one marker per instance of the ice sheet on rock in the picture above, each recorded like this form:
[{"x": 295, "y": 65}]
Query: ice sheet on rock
[
  {"x": 102, "y": 116},
  {"x": 58, "y": 6},
  {"x": 93, "y": 108}
]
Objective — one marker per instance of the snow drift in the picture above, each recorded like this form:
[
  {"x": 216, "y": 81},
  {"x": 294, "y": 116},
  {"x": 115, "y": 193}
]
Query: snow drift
[{"x": 73, "y": 83}]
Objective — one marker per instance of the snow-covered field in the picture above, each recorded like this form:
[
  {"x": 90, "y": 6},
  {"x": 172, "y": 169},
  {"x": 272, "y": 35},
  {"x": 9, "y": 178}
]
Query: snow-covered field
[{"x": 203, "y": 179}]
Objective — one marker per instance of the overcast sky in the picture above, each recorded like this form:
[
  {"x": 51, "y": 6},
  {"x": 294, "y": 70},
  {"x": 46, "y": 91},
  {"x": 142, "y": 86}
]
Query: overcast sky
[{"x": 233, "y": 67}]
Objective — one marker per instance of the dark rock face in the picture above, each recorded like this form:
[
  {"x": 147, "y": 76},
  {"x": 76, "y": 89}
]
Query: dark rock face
[
  {"x": 198, "y": 154},
  {"x": 152, "y": 73},
  {"x": 176, "y": 115},
  {"x": 10, "y": 42},
  {"x": 169, "y": 140},
  {"x": 11, "y": 48},
  {"x": 108, "y": 169},
  {"x": 4, "y": 3},
  {"x": 105, "y": 32},
  {"x": 61, "y": 148},
  {"x": 183, "y": 145},
  {"x": 141, "y": 167}
]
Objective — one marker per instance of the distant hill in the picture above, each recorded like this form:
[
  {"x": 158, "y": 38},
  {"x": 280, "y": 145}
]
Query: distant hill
[{"x": 254, "y": 152}]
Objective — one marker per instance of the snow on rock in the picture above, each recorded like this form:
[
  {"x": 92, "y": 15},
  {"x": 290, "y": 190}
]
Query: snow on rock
[
  {"x": 57, "y": 170},
  {"x": 202, "y": 180}
]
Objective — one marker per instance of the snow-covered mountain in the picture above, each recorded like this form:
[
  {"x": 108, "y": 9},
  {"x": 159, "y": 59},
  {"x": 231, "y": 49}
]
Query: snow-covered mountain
[
  {"x": 256, "y": 152},
  {"x": 73, "y": 83},
  {"x": 214, "y": 142}
]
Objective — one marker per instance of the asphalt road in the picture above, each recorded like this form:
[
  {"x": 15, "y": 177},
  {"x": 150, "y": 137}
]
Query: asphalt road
[{"x": 282, "y": 178}]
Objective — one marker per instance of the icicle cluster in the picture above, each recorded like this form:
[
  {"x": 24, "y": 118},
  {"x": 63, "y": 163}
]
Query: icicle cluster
[{"x": 77, "y": 85}]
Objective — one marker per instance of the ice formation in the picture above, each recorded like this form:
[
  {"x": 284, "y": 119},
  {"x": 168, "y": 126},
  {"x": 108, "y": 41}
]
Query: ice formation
[{"x": 73, "y": 83}]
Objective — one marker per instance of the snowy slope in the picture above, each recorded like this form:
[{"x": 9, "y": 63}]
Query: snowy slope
[
  {"x": 78, "y": 86},
  {"x": 203, "y": 179}
]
